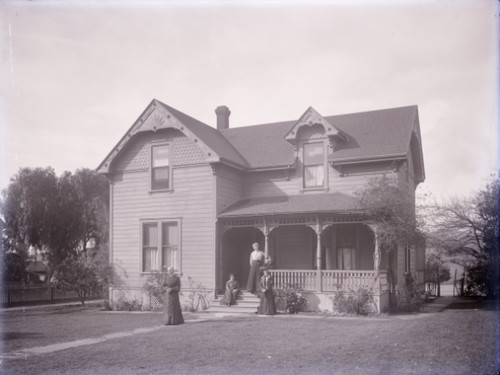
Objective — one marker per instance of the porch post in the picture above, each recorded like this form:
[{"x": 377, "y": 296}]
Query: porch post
[
  {"x": 376, "y": 252},
  {"x": 319, "y": 286},
  {"x": 266, "y": 238},
  {"x": 266, "y": 243}
]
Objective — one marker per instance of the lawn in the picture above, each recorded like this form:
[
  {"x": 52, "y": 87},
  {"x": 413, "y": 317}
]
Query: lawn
[{"x": 460, "y": 340}]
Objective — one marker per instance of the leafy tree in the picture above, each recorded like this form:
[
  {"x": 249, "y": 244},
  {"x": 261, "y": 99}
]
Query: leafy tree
[
  {"x": 92, "y": 191},
  {"x": 393, "y": 211},
  {"x": 58, "y": 216},
  {"x": 27, "y": 205}
]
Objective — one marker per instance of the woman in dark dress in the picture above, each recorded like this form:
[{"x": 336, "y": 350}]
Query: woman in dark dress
[
  {"x": 267, "y": 305},
  {"x": 173, "y": 312},
  {"x": 256, "y": 261}
]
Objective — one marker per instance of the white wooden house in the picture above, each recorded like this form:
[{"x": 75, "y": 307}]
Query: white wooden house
[{"x": 196, "y": 197}]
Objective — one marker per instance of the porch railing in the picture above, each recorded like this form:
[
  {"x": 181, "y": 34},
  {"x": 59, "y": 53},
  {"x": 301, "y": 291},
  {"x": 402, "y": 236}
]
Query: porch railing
[
  {"x": 302, "y": 279},
  {"x": 330, "y": 280},
  {"x": 347, "y": 280}
]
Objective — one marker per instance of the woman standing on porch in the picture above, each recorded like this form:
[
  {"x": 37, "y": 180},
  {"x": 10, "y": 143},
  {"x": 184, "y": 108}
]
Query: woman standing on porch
[
  {"x": 256, "y": 261},
  {"x": 173, "y": 313}
]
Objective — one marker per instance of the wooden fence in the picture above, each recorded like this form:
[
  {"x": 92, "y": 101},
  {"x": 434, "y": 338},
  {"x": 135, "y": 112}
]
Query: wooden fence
[{"x": 19, "y": 294}]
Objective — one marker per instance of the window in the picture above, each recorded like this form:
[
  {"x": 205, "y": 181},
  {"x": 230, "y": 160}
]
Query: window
[
  {"x": 160, "y": 247},
  {"x": 314, "y": 165},
  {"x": 407, "y": 258},
  {"x": 160, "y": 171}
]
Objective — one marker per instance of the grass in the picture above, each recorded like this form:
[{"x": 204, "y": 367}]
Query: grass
[{"x": 461, "y": 340}]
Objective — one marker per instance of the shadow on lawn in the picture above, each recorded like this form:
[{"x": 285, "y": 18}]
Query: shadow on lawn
[
  {"x": 7, "y": 336},
  {"x": 473, "y": 304},
  {"x": 57, "y": 310}
]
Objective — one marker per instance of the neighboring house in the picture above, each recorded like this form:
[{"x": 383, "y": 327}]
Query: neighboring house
[
  {"x": 187, "y": 195},
  {"x": 36, "y": 272},
  {"x": 36, "y": 267}
]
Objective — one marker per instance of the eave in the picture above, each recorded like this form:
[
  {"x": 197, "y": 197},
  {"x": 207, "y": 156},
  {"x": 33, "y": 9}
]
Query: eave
[{"x": 367, "y": 159}]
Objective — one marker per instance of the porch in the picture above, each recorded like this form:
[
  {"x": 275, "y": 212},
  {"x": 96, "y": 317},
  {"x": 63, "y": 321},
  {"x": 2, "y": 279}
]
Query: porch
[{"x": 318, "y": 254}]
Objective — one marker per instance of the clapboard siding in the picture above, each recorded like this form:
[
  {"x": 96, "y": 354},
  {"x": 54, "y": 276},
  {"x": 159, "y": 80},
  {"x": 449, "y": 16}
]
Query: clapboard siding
[
  {"x": 191, "y": 202},
  {"x": 229, "y": 187},
  {"x": 274, "y": 183}
]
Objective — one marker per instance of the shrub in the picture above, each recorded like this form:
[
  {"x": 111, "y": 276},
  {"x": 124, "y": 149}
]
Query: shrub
[
  {"x": 359, "y": 302},
  {"x": 80, "y": 275},
  {"x": 479, "y": 277},
  {"x": 410, "y": 299},
  {"x": 290, "y": 299},
  {"x": 125, "y": 305}
]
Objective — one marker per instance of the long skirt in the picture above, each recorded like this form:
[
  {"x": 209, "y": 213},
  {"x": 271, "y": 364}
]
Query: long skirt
[
  {"x": 230, "y": 296},
  {"x": 267, "y": 305},
  {"x": 254, "y": 277},
  {"x": 173, "y": 312}
]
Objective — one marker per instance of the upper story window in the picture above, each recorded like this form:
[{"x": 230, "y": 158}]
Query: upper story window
[
  {"x": 160, "y": 245},
  {"x": 314, "y": 165},
  {"x": 160, "y": 167}
]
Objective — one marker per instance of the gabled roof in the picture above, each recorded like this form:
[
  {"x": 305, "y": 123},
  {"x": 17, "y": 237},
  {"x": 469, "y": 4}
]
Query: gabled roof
[
  {"x": 377, "y": 134},
  {"x": 292, "y": 204},
  {"x": 159, "y": 116},
  {"x": 374, "y": 135},
  {"x": 210, "y": 136}
]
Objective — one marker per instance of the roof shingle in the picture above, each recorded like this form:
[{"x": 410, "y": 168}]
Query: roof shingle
[
  {"x": 292, "y": 204},
  {"x": 372, "y": 134}
]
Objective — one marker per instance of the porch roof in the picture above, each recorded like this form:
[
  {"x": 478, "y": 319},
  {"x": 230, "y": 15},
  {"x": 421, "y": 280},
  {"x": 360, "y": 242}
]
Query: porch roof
[{"x": 292, "y": 204}]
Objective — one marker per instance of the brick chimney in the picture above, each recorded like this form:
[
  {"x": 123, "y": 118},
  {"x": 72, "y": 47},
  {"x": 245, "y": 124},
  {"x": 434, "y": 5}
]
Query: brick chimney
[{"x": 222, "y": 113}]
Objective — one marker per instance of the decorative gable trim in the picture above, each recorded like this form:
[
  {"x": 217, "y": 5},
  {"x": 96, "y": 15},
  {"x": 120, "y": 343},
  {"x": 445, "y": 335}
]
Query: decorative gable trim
[
  {"x": 156, "y": 117},
  {"x": 312, "y": 117}
]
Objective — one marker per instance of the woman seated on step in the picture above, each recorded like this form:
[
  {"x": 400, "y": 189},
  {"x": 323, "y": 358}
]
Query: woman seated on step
[{"x": 232, "y": 290}]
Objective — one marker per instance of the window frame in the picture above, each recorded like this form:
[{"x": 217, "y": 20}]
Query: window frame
[
  {"x": 159, "y": 246},
  {"x": 324, "y": 164},
  {"x": 151, "y": 168},
  {"x": 407, "y": 258}
]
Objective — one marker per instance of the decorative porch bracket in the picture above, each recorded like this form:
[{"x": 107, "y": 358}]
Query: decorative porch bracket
[{"x": 266, "y": 229}]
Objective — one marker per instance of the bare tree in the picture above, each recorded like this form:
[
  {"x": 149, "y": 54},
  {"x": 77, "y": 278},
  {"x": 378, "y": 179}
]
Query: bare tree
[{"x": 466, "y": 230}]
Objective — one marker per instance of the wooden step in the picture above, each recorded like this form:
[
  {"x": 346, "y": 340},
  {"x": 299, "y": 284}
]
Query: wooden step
[
  {"x": 233, "y": 309},
  {"x": 245, "y": 303}
]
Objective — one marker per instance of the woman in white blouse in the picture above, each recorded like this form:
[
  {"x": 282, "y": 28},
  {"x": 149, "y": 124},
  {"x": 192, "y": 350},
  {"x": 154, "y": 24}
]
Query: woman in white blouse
[{"x": 256, "y": 261}]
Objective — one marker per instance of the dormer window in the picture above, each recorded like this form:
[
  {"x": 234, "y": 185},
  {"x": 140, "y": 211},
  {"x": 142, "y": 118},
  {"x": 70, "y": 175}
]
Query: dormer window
[
  {"x": 160, "y": 167},
  {"x": 314, "y": 165}
]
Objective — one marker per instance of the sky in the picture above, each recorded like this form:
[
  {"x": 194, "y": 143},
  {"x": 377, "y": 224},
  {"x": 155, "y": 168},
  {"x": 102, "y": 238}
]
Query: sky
[{"x": 74, "y": 76}]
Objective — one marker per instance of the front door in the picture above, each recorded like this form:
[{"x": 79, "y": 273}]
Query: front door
[{"x": 346, "y": 258}]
